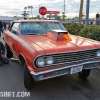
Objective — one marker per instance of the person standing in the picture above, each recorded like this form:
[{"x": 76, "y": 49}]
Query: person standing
[
  {"x": 97, "y": 21},
  {"x": 4, "y": 25},
  {"x": 1, "y": 27},
  {"x": 3, "y": 59}
]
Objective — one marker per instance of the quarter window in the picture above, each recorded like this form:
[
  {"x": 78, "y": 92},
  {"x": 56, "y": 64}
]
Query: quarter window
[{"x": 14, "y": 29}]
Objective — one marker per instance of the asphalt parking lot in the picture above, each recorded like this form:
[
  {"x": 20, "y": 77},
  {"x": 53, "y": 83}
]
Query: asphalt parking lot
[{"x": 67, "y": 87}]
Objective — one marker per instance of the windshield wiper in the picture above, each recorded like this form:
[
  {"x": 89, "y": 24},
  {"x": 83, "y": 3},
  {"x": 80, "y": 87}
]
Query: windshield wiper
[{"x": 30, "y": 34}]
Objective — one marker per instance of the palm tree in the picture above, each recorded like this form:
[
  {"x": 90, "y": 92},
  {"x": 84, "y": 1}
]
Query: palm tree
[
  {"x": 63, "y": 16},
  {"x": 25, "y": 8},
  {"x": 49, "y": 16},
  {"x": 31, "y": 7},
  {"x": 28, "y": 11},
  {"x": 38, "y": 17},
  {"x": 81, "y": 9}
]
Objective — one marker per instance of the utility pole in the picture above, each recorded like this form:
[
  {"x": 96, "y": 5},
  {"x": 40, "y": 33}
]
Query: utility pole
[
  {"x": 80, "y": 11},
  {"x": 87, "y": 13},
  {"x": 64, "y": 12}
]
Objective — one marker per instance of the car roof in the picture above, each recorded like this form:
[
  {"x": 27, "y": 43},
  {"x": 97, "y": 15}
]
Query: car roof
[{"x": 35, "y": 20}]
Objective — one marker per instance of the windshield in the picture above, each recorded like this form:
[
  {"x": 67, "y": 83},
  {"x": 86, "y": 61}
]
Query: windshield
[{"x": 29, "y": 28}]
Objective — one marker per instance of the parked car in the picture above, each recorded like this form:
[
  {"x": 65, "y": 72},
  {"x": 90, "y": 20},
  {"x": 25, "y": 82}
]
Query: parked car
[{"x": 47, "y": 50}]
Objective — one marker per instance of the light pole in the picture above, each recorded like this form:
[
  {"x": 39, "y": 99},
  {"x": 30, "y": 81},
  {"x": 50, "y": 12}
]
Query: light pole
[
  {"x": 64, "y": 12},
  {"x": 87, "y": 13}
]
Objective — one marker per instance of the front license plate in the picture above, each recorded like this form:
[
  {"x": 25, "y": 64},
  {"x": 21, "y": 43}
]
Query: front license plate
[{"x": 76, "y": 69}]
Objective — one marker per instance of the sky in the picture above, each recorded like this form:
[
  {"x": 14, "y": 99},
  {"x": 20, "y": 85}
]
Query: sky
[{"x": 16, "y": 7}]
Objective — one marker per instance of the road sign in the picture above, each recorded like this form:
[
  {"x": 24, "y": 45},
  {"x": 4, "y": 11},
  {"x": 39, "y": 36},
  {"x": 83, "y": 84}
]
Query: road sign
[
  {"x": 53, "y": 12},
  {"x": 42, "y": 10}
]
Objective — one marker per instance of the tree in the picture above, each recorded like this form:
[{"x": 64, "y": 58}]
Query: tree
[
  {"x": 49, "y": 16},
  {"x": 25, "y": 8},
  {"x": 28, "y": 11},
  {"x": 80, "y": 11},
  {"x": 38, "y": 17},
  {"x": 55, "y": 16},
  {"x": 31, "y": 7},
  {"x": 63, "y": 16}
]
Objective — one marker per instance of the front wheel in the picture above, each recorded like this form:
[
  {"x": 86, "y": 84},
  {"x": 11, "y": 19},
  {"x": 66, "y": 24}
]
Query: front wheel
[
  {"x": 28, "y": 79},
  {"x": 84, "y": 73}
]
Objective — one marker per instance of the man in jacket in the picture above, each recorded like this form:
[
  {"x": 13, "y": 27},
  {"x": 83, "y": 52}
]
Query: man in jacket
[
  {"x": 97, "y": 22},
  {"x": 3, "y": 59}
]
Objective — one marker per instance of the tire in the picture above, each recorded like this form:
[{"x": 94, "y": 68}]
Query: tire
[
  {"x": 28, "y": 79},
  {"x": 9, "y": 53},
  {"x": 84, "y": 73}
]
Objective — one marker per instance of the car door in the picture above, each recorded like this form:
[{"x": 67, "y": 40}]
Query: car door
[{"x": 13, "y": 37}]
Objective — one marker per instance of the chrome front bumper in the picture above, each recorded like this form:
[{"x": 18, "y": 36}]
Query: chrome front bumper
[{"x": 38, "y": 76}]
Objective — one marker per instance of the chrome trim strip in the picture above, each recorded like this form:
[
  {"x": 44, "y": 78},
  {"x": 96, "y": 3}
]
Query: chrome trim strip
[
  {"x": 69, "y": 52},
  {"x": 89, "y": 68},
  {"x": 55, "y": 76}
]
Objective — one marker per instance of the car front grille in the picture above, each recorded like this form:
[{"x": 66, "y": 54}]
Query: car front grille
[{"x": 74, "y": 57}]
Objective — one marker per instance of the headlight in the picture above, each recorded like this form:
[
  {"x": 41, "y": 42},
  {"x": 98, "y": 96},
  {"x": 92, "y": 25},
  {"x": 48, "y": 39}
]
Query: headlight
[
  {"x": 98, "y": 53},
  {"x": 49, "y": 60},
  {"x": 40, "y": 62}
]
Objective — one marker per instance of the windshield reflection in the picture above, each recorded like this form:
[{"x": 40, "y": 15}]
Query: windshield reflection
[{"x": 40, "y": 27}]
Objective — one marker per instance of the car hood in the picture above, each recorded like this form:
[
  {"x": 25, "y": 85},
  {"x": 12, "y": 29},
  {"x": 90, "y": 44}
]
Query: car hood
[{"x": 50, "y": 46}]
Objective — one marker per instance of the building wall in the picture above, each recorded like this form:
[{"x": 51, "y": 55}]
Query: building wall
[{"x": 7, "y": 18}]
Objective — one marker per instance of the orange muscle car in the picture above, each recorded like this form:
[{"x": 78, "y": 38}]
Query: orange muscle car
[{"x": 47, "y": 50}]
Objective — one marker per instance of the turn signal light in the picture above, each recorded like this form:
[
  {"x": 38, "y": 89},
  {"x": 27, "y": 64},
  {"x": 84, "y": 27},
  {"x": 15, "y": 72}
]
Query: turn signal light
[{"x": 47, "y": 75}]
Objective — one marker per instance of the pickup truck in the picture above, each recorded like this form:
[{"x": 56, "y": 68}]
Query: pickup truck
[{"x": 47, "y": 50}]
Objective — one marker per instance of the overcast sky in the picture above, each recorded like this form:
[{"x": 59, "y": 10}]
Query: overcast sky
[{"x": 16, "y": 7}]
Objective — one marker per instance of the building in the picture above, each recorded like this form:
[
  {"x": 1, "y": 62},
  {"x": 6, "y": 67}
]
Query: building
[{"x": 7, "y": 18}]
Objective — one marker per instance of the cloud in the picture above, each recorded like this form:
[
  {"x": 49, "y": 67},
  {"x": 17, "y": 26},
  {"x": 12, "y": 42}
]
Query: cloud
[{"x": 16, "y": 7}]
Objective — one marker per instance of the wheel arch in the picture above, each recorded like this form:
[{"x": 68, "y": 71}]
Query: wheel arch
[
  {"x": 22, "y": 59},
  {"x": 8, "y": 51}
]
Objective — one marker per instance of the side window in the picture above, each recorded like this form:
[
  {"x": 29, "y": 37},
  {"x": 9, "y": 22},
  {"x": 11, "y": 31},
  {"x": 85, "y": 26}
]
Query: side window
[{"x": 14, "y": 29}]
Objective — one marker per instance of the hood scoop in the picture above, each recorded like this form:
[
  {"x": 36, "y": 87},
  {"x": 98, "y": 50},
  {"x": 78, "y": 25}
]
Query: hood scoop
[{"x": 58, "y": 35}]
